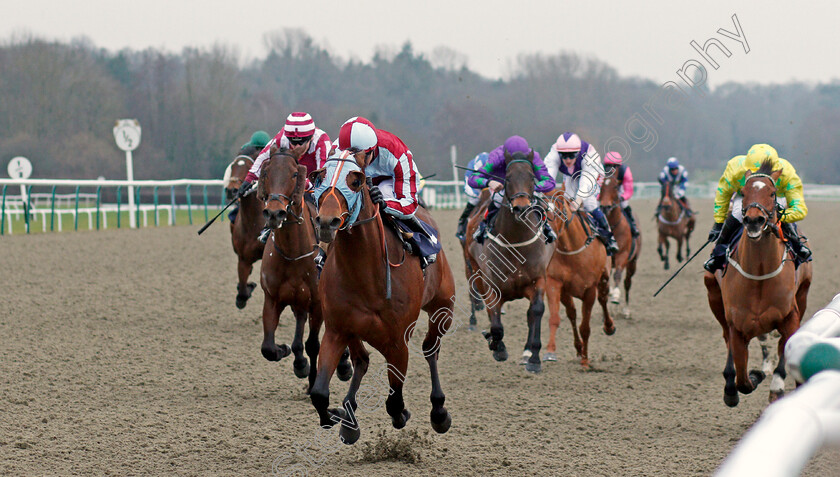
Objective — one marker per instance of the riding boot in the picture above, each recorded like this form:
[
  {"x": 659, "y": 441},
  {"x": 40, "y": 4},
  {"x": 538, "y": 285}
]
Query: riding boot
[
  {"x": 484, "y": 226},
  {"x": 263, "y": 237},
  {"x": 461, "y": 233},
  {"x": 634, "y": 229},
  {"x": 319, "y": 259},
  {"x": 718, "y": 257},
  {"x": 799, "y": 248},
  {"x": 604, "y": 231},
  {"x": 233, "y": 212},
  {"x": 685, "y": 207},
  {"x": 550, "y": 235}
]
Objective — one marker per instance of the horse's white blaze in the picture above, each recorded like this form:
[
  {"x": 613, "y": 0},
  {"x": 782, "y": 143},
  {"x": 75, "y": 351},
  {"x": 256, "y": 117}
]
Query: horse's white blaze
[
  {"x": 777, "y": 385},
  {"x": 759, "y": 185}
]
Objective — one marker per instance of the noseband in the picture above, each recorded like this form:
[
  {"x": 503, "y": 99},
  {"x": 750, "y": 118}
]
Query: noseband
[
  {"x": 290, "y": 203},
  {"x": 531, "y": 197},
  {"x": 768, "y": 215}
]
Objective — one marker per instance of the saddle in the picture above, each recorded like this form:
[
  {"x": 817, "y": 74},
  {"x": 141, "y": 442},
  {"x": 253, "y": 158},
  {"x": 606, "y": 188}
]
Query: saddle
[{"x": 418, "y": 237}]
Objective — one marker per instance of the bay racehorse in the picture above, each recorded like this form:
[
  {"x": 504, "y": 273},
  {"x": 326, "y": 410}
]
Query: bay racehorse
[
  {"x": 511, "y": 263},
  {"x": 245, "y": 229},
  {"x": 288, "y": 274},
  {"x": 672, "y": 221},
  {"x": 629, "y": 247},
  {"x": 760, "y": 291},
  {"x": 579, "y": 268},
  {"x": 373, "y": 291}
]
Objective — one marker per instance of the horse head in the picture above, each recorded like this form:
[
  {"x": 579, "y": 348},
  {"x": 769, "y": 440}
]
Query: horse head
[
  {"x": 339, "y": 188},
  {"x": 667, "y": 199},
  {"x": 520, "y": 180},
  {"x": 759, "y": 202},
  {"x": 281, "y": 187},
  {"x": 235, "y": 175},
  {"x": 609, "y": 198}
]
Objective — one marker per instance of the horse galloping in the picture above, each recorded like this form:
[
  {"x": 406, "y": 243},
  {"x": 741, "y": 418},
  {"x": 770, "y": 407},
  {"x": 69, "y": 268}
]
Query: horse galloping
[
  {"x": 629, "y": 247},
  {"x": 579, "y": 268},
  {"x": 672, "y": 221},
  {"x": 288, "y": 274},
  {"x": 373, "y": 291},
  {"x": 761, "y": 290},
  {"x": 511, "y": 264},
  {"x": 245, "y": 229}
]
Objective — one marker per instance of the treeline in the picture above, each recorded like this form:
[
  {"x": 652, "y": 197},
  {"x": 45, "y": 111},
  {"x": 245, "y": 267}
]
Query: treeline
[{"x": 59, "y": 102}]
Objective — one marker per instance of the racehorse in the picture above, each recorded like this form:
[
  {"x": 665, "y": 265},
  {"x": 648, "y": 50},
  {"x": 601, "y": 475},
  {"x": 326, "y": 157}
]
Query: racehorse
[
  {"x": 245, "y": 229},
  {"x": 373, "y": 291},
  {"x": 629, "y": 247},
  {"x": 579, "y": 268},
  {"x": 511, "y": 263},
  {"x": 761, "y": 290},
  {"x": 673, "y": 222},
  {"x": 288, "y": 274}
]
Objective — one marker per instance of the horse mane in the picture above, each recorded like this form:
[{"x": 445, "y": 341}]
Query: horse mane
[{"x": 766, "y": 167}]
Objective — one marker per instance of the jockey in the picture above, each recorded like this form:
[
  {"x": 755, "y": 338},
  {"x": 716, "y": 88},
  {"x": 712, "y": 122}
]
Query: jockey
[
  {"x": 677, "y": 175},
  {"x": 625, "y": 181},
  {"x": 298, "y": 134},
  {"x": 582, "y": 171},
  {"x": 391, "y": 167},
  {"x": 473, "y": 194},
  {"x": 250, "y": 149},
  {"x": 789, "y": 198},
  {"x": 489, "y": 174}
]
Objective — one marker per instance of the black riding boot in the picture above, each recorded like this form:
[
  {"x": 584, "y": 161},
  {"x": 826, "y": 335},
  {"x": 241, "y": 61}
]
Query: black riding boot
[
  {"x": 461, "y": 233},
  {"x": 634, "y": 229},
  {"x": 685, "y": 207},
  {"x": 484, "y": 226},
  {"x": 264, "y": 233},
  {"x": 550, "y": 235},
  {"x": 604, "y": 231},
  {"x": 799, "y": 248},
  {"x": 718, "y": 257}
]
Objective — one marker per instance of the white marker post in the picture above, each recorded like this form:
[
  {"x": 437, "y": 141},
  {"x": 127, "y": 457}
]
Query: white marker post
[
  {"x": 453, "y": 155},
  {"x": 127, "y": 135},
  {"x": 20, "y": 168}
]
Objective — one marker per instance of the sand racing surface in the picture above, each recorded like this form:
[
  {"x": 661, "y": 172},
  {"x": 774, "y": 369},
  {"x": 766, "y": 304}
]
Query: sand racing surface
[{"x": 122, "y": 353}]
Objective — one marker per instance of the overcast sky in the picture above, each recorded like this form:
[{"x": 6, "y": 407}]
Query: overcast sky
[{"x": 787, "y": 40}]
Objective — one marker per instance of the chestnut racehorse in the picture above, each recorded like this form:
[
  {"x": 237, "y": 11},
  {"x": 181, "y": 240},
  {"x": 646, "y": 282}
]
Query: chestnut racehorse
[
  {"x": 245, "y": 229},
  {"x": 373, "y": 291},
  {"x": 511, "y": 263},
  {"x": 288, "y": 275},
  {"x": 673, "y": 222},
  {"x": 579, "y": 268},
  {"x": 760, "y": 291},
  {"x": 629, "y": 247}
]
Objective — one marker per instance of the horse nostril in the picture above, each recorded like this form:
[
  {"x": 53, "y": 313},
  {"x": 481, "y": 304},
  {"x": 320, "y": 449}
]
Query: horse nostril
[
  {"x": 266, "y": 214},
  {"x": 335, "y": 223}
]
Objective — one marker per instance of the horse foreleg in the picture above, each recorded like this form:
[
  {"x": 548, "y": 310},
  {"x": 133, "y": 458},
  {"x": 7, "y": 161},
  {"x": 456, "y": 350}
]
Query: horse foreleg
[
  {"x": 628, "y": 281},
  {"x": 746, "y": 382},
  {"x": 679, "y": 249},
  {"x": 270, "y": 318},
  {"x": 730, "y": 392},
  {"x": 585, "y": 330},
  {"x": 349, "y": 432},
  {"x": 789, "y": 326},
  {"x": 397, "y": 358},
  {"x": 716, "y": 304},
  {"x": 603, "y": 295},
  {"x": 312, "y": 344},
  {"x": 615, "y": 286},
  {"x": 332, "y": 346},
  {"x": 766, "y": 358},
  {"x": 535, "y": 313},
  {"x": 571, "y": 313},
  {"x": 439, "y": 323},
  {"x": 497, "y": 332},
  {"x": 300, "y": 364},
  {"x": 552, "y": 292},
  {"x": 244, "y": 288}
]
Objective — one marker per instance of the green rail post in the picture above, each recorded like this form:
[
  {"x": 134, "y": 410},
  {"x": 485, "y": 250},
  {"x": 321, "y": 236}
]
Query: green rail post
[
  {"x": 189, "y": 203},
  {"x": 26, "y": 207},
  {"x": 119, "y": 200},
  {"x": 204, "y": 193},
  {"x": 3, "y": 211},
  {"x": 172, "y": 203},
  {"x": 137, "y": 206},
  {"x": 76, "y": 215},
  {"x": 98, "y": 197},
  {"x": 155, "y": 198},
  {"x": 52, "y": 210}
]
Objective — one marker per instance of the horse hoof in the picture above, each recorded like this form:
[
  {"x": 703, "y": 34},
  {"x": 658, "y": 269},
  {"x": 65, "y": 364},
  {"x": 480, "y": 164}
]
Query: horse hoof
[
  {"x": 400, "y": 421},
  {"x": 609, "y": 331},
  {"x": 344, "y": 371},
  {"x": 775, "y": 396},
  {"x": 301, "y": 369},
  {"x": 667, "y": 266},
  {"x": 756, "y": 377},
  {"x": 471, "y": 328},
  {"x": 479, "y": 305},
  {"x": 487, "y": 336},
  {"x": 349, "y": 435},
  {"x": 533, "y": 367},
  {"x": 550, "y": 357},
  {"x": 241, "y": 301},
  {"x": 730, "y": 400},
  {"x": 442, "y": 426},
  {"x": 251, "y": 286},
  {"x": 526, "y": 355},
  {"x": 276, "y": 353},
  {"x": 500, "y": 353}
]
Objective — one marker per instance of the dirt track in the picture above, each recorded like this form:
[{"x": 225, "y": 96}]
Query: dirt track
[{"x": 123, "y": 354}]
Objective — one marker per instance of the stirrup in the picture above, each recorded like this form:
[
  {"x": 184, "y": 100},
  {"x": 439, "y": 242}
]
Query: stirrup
[
  {"x": 478, "y": 236},
  {"x": 263, "y": 238}
]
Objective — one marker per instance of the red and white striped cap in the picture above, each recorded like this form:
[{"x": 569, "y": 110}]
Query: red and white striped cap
[
  {"x": 299, "y": 125},
  {"x": 357, "y": 133}
]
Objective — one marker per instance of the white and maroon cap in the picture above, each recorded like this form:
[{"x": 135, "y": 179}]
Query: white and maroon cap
[
  {"x": 357, "y": 133},
  {"x": 299, "y": 125}
]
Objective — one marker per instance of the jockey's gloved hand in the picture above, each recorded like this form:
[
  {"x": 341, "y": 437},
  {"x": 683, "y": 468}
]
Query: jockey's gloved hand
[
  {"x": 245, "y": 187},
  {"x": 715, "y": 232},
  {"x": 376, "y": 196}
]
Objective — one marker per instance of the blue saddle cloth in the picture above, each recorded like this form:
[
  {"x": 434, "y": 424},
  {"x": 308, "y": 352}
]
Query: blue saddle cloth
[{"x": 424, "y": 244}]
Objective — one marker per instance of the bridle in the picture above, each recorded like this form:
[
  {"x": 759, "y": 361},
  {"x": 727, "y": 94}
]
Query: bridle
[
  {"x": 768, "y": 215},
  {"x": 532, "y": 198},
  {"x": 290, "y": 202}
]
